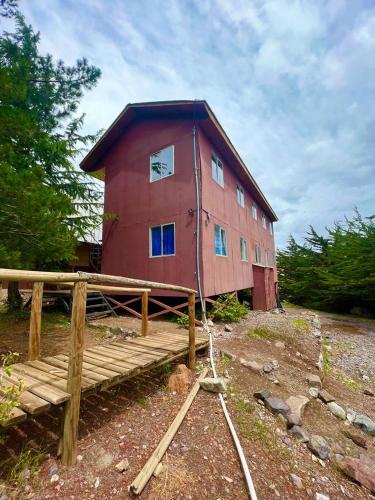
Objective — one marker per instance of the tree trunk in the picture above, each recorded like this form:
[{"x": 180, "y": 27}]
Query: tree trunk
[{"x": 14, "y": 296}]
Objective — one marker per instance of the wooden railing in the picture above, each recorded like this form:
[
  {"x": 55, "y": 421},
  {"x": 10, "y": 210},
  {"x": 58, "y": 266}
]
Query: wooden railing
[{"x": 81, "y": 282}]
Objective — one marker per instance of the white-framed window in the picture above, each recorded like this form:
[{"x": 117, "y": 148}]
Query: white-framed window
[
  {"x": 220, "y": 241},
  {"x": 217, "y": 170},
  {"x": 240, "y": 196},
  {"x": 243, "y": 249},
  {"x": 162, "y": 240},
  {"x": 267, "y": 257},
  {"x": 254, "y": 211},
  {"x": 162, "y": 164},
  {"x": 257, "y": 254},
  {"x": 264, "y": 220},
  {"x": 270, "y": 228}
]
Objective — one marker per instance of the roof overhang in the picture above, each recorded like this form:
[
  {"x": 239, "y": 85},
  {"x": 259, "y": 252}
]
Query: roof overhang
[{"x": 196, "y": 110}]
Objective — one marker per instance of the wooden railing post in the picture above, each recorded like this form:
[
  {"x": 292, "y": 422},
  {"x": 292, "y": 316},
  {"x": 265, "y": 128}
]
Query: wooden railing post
[
  {"x": 191, "y": 308},
  {"x": 35, "y": 321},
  {"x": 144, "y": 313},
  {"x": 71, "y": 418}
]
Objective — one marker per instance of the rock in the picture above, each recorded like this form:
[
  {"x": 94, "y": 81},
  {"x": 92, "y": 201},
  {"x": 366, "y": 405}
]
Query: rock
[
  {"x": 337, "y": 410},
  {"x": 365, "y": 378},
  {"x": 358, "y": 470},
  {"x": 104, "y": 460},
  {"x": 314, "y": 381},
  {"x": 297, "y": 481},
  {"x": 228, "y": 355},
  {"x": 365, "y": 423},
  {"x": 212, "y": 384},
  {"x": 79, "y": 458},
  {"x": 96, "y": 482},
  {"x": 159, "y": 469},
  {"x": 300, "y": 433},
  {"x": 316, "y": 321},
  {"x": 123, "y": 465},
  {"x": 180, "y": 380},
  {"x": 314, "y": 392},
  {"x": 350, "y": 415},
  {"x": 25, "y": 474},
  {"x": 54, "y": 478},
  {"x": 367, "y": 392},
  {"x": 279, "y": 344},
  {"x": 319, "y": 446},
  {"x": 252, "y": 365},
  {"x": 275, "y": 364},
  {"x": 228, "y": 328},
  {"x": 276, "y": 405},
  {"x": 297, "y": 404},
  {"x": 320, "y": 496},
  {"x": 54, "y": 469},
  {"x": 358, "y": 439},
  {"x": 262, "y": 394},
  {"x": 325, "y": 396},
  {"x": 210, "y": 322},
  {"x": 293, "y": 419},
  {"x": 268, "y": 367}
]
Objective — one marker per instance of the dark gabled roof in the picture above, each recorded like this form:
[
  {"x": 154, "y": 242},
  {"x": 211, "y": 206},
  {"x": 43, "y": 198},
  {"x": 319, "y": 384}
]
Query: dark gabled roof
[{"x": 198, "y": 110}]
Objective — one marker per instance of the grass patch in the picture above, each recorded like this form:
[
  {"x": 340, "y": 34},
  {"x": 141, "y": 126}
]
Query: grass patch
[
  {"x": 164, "y": 369},
  {"x": 141, "y": 400},
  {"x": 352, "y": 384},
  {"x": 100, "y": 332},
  {"x": 262, "y": 332},
  {"x": 51, "y": 319},
  {"x": 301, "y": 324},
  {"x": 225, "y": 360},
  {"x": 26, "y": 466}
]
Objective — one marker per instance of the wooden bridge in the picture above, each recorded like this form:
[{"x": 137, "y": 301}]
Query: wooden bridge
[{"x": 64, "y": 378}]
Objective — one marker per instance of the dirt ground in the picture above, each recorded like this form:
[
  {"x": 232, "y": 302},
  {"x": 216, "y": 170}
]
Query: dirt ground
[{"x": 128, "y": 421}]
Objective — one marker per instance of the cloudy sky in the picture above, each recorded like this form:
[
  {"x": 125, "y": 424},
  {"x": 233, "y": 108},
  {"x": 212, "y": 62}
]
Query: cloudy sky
[{"x": 292, "y": 83}]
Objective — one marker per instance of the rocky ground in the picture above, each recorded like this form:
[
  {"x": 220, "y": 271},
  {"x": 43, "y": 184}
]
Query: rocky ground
[{"x": 273, "y": 356}]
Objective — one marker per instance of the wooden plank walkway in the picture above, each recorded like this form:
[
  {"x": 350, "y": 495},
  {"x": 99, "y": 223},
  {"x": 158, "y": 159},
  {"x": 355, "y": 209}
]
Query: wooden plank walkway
[{"x": 105, "y": 365}]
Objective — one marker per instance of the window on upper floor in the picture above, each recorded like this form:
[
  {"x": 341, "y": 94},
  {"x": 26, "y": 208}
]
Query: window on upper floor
[
  {"x": 217, "y": 170},
  {"x": 240, "y": 196},
  {"x": 270, "y": 228},
  {"x": 254, "y": 211},
  {"x": 264, "y": 220},
  {"x": 220, "y": 241},
  {"x": 243, "y": 249},
  {"x": 162, "y": 164},
  {"x": 162, "y": 240},
  {"x": 257, "y": 254}
]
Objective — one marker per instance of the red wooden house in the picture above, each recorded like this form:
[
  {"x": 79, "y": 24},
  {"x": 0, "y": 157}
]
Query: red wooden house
[{"x": 188, "y": 211}]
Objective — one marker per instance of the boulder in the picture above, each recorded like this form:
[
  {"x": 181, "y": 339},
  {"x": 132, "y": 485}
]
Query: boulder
[
  {"x": 319, "y": 446},
  {"x": 252, "y": 365},
  {"x": 300, "y": 433},
  {"x": 358, "y": 439},
  {"x": 214, "y": 384},
  {"x": 314, "y": 381},
  {"x": 358, "y": 470},
  {"x": 276, "y": 405},
  {"x": 336, "y": 410},
  {"x": 297, "y": 481},
  {"x": 297, "y": 404},
  {"x": 314, "y": 392},
  {"x": 325, "y": 396},
  {"x": 262, "y": 394},
  {"x": 268, "y": 367},
  {"x": 293, "y": 419},
  {"x": 350, "y": 415},
  {"x": 228, "y": 328},
  {"x": 180, "y": 380},
  {"x": 365, "y": 423}
]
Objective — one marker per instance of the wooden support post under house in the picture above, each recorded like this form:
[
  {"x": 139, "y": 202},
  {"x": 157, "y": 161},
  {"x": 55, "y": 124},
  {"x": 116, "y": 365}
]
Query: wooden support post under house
[
  {"x": 35, "y": 321},
  {"x": 191, "y": 309},
  {"x": 71, "y": 419},
  {"x": 144, "y": 313}
]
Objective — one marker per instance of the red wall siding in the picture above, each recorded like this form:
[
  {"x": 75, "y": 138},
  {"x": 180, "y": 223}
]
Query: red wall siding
[
  {"x": 220, "y": 206},
  {"x": 140, "y": 204}
]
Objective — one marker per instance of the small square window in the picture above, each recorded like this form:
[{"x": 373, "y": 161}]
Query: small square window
[
  {"x": 217, "y": 170},
  {"x": 254, "y": 211},
  {"x": 240, "y": 196},
  {"x": 162, "y": 164},
  {"x": 243, "y": 249},
  {"x": 264, "y": 220},
  {"x": 257, "y": 254},
  {"x": 162, "y": 240},
  {"x": 220, "y": 241}
]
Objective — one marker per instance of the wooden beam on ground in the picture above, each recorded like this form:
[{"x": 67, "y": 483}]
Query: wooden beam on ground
[
  {"x": 71, "y": 418},
  {"x": 144, "y": 313},
  {"x": 192, "y": 331},
  {"x": 35, "y": 321},
  {"x": 143, "y": 477}
]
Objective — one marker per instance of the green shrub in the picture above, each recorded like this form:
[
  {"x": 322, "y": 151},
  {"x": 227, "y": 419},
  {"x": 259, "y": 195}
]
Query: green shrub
[
  {"x": 228, "y": 308},
  {"x": 9, "y": 393},
  {"x": 183, "y": 321}
]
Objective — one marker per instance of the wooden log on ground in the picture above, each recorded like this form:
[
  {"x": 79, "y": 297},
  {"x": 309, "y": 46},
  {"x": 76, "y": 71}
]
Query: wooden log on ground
[
  {"x": 191, "y": 308},
  {"x": 71, "y": 418},
  {"x": 144, "y": 313},
  {"x": 143, "y": 477},
  {"x": 35, "y": 321}
]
